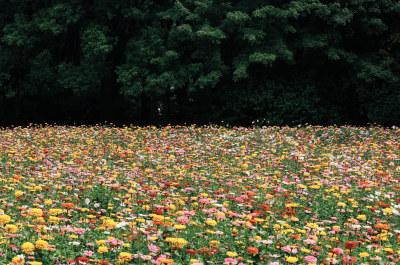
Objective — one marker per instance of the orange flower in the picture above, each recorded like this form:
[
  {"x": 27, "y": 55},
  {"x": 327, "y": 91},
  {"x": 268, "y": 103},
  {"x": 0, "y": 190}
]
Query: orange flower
[
  {"x": 166, "y": 261},
  {"x": 349, "y": 260},
  {"x": 68, "y": 205},
  {"x": 383, "y": 226},
  {"x": 252, "y": 250}
]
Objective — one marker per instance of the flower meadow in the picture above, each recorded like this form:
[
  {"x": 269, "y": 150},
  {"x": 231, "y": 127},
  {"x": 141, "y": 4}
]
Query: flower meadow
[{"x": 199, "y": 195}]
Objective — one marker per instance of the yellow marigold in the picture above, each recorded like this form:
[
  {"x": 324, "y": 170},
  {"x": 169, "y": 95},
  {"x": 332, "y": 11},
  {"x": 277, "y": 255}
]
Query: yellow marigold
[
  {"x": 36, "y": 212},
  {"x": 18, "y": 193},
  {"x": 4, "y": 218},
  {"x": 102, "y": 249},
  {"x": 231, "y": 254},
  {"x": 11, "y": 228},
  {"x": 292, "y": 259},
  {"x": 28, "y": 248},
  {"x": 363, "y": 254},
  {"x": 48, "y": 202},
  {"x": 41, "y": 244}
]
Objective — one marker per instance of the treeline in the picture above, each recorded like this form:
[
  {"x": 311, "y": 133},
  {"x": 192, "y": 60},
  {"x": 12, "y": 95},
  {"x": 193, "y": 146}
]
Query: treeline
[{"x": 200, "y": 61}]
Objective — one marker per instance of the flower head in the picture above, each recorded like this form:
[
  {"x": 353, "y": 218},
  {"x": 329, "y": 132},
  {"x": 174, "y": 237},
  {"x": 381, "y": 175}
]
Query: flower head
[{"x": 28, "y": 248}]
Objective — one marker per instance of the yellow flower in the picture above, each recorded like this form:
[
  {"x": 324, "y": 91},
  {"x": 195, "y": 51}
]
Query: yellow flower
[
  {"x": 101, "y": 242},
  {"x": 17, "y": 260},
  {"x": 48, "y": 202},
  {"x": 176, "y": 243},
  {"x": 387, "y": 211},
  {"x": 312, "y": 225},
  {"x": 36, "y": 212},
  {"x": 54, "y": 220},
  {"x": 11, "y": 228},
  {"x": 54, "y": 211},
  {"x": 211, "y": 222},
  {"x": 41, "y": 244},
  {"x": 341, "y": 204},
  {"x": 18, "y": 193},
  {"x": 231, "y": 254},
  {"x": 179, "y": 227},
  {"x": 109, "y": 223},
  {"x": 125, "y": 256},
  {"x": 35, "y": 263},
  {"x": 362, "y": 217},
  {"x": 194, "y": 261},
  {"x": 214, "y": 243},
  {"x": 4, "y": 218},
  {"x": 363, "y": 254},
  {"x": 102, "y": 249},
  {"x": 27, "y": 248},
  {"x": 291, "y": 259},
  {"x": 157, "y": 218}
]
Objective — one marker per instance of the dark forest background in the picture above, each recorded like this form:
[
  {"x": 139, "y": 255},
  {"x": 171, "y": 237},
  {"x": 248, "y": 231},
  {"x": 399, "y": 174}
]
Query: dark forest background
[{"x": 200, "y": 61}]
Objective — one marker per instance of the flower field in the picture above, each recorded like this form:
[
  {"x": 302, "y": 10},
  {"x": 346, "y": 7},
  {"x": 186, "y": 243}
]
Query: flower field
[{"x": 199, "y": 195}]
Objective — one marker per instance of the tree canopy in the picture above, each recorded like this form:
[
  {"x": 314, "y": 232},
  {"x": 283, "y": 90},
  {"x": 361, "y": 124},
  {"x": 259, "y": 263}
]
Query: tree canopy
[{"x": 200, "y": 61}]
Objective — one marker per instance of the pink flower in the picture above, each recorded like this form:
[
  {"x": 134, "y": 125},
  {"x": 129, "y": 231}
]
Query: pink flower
[
  {"x": 230, "y": 261},
  {"x": 88, "y": 253},
  {"x": 182, "y": 220},
  {"x": 310, "y": 259},
  {"x": 153, "y": 248},
  {"x": 289, "y": 249}
]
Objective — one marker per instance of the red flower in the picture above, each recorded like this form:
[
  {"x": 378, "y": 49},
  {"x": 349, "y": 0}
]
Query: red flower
[
  {"x": 350, "y": 245},
  {"x": 191, "y": 252},
  {"x": 265, "y": 207},
  {"x": 82, "y": 260}
]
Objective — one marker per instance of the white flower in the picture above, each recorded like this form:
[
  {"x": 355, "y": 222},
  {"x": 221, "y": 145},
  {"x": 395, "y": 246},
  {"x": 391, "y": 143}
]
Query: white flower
[{"x": 122, "y": 224}]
